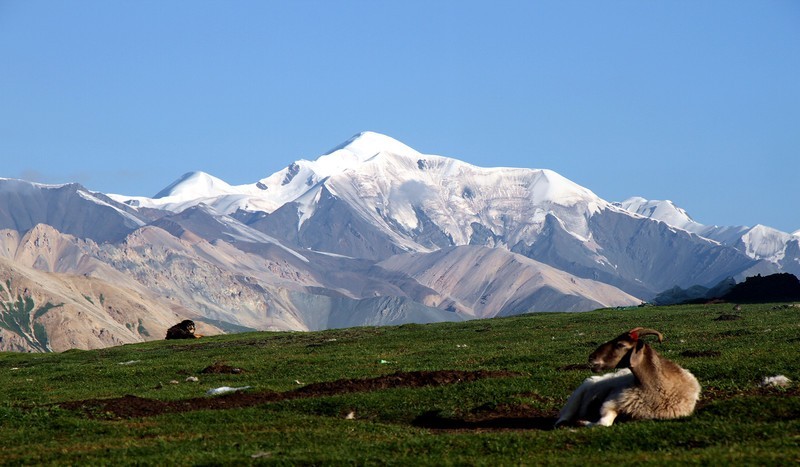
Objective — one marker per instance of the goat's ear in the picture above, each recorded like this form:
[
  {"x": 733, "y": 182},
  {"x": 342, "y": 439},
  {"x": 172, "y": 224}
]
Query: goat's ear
[{"x": 637, "y": 354}]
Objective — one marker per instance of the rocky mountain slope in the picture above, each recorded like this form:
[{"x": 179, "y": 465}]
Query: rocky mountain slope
[{"x": 54, "y": 312}]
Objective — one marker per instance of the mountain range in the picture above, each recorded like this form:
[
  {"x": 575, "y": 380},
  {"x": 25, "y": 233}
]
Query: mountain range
[{"x": 371, "y": 233}]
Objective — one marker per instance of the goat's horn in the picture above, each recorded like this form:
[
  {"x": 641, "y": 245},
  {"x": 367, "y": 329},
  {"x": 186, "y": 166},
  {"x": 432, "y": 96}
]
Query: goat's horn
[{"x": 640, "y": 332}]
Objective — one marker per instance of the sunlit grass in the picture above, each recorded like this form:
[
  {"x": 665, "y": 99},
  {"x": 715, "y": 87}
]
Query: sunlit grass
[{"x": 738, "y": 422}]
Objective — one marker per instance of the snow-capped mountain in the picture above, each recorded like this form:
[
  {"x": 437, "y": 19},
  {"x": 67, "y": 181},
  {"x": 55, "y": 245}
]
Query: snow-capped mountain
[
  {"x": 372, "y": 232},
  {"x": 664, "y": 211},
  {"x": 400, "y": 200},
  {"x": 759, "y": 242},
  {"x": 373, "y": 196},
  {"x": 191, "y": 189}
]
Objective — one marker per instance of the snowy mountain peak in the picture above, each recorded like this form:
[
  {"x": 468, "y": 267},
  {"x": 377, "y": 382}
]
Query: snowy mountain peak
[
  {"x": 299, "y": 177},
  {"x": 662, "y": 210},
  {"x": 766, "y": 243},
  {"x": 554, "y": 187},
  {"x": 367, "y": 144},
  {"x": 195, "y": 185}
]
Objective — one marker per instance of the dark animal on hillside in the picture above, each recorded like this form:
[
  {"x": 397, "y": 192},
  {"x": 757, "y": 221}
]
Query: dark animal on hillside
[
  {"x": 183, "y": 330},
  {"x": 647, "y": 386}
]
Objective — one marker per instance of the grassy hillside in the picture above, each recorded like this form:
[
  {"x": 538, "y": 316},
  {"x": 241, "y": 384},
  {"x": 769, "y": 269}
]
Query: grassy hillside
[{"x": 481, "y": 392}]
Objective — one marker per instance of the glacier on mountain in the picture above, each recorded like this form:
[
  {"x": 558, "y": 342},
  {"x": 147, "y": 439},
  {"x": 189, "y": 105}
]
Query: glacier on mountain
[
  {"x": 758, "y": 242},
  {"x": 391, "y": 178},
  {"x": 421, "y": 202}
]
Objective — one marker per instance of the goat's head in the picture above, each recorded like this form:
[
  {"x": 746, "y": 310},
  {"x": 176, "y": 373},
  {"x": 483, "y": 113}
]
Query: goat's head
[{"x": 616, "y": 353}]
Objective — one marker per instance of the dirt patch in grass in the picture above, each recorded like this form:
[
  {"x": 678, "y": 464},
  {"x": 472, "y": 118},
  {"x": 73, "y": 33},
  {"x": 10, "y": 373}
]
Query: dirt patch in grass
[
  {"x": 219, "y": 368},
  {"x": 133, "y": 406},
  {"x": 490, "y": 417},
  {"x": 727, "y": 317}
]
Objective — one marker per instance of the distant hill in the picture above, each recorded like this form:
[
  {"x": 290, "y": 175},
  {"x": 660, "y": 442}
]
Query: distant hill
[
  {"x": 694, "y": 294},
  {"x": 783, "y": 287},
  {"x": 780, "y": 287}
]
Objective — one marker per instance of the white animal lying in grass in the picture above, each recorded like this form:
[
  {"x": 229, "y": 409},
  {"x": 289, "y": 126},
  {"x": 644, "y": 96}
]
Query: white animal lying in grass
[{"x": 648, "y": 386}]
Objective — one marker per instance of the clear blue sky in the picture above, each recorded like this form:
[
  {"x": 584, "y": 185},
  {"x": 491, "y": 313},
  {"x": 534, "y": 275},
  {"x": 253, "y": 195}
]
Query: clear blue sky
[{"x": 694, "y": 101}]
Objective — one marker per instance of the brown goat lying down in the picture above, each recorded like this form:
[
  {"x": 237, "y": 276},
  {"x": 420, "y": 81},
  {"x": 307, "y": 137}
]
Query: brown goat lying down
[{"x": 648, "y": 386}]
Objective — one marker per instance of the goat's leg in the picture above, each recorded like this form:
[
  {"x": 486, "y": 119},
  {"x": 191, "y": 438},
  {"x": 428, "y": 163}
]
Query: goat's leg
[
  {"x": 578, "y": 403},
  {"x": 608, "y": 413},
  {"x": 570, "y": 411}
]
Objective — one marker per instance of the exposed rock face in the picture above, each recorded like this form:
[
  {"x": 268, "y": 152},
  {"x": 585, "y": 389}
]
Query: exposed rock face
[
  {"x": 163, "y": 278},
  {"x": 54, "y": 312},
  {"x": 487, "y": 282}
]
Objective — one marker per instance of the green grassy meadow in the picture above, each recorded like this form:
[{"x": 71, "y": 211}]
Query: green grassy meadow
[{"x": 490, "y": 421}]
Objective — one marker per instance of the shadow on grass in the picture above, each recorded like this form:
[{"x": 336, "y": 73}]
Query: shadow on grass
[{"x": 435, "y": 421}]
